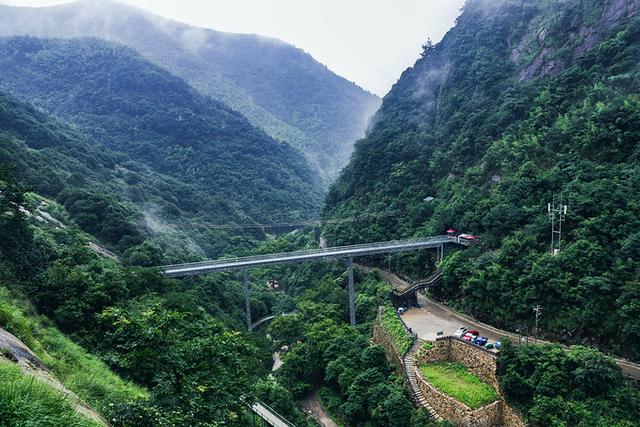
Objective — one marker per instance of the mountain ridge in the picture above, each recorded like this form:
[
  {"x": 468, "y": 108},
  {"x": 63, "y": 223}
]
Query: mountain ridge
[{"x": 304, "y": 103}]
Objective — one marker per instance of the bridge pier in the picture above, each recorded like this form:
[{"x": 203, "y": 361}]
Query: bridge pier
[
  {"x": 439, "y": 253},
  {"x": 352, "y": 295},
  {"x": 247, "y": 303}
]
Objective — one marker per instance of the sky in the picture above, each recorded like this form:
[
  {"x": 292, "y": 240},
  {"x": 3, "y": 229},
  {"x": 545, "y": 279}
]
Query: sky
[{"x": 369, "y": 42}]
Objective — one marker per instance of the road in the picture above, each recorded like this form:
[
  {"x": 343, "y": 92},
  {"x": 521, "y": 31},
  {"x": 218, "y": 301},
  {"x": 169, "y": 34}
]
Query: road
[
  {"x": 312, "y": 406},
  {"x": 432, "y": 317}
]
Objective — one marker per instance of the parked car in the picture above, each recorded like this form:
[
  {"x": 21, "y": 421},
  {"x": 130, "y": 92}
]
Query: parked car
[
  {"x": 474, "y": 332},
  {"x": 488, "y": 346},
  {"x": 498, "y": 345},
  {"x": 469, "y": 336},
  {"x": 460, "y": 332},
  {"x": 480, "y": 341},
  {"x": 402, "y": 310}
]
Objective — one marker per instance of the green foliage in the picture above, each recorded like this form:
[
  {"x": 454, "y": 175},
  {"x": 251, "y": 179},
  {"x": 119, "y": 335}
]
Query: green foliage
[
  {"x": 427, "y": 345},
  {"x": 454, "y": 379},
  {"x": 494, "y": 122},
  {"x": 278, "y": 87},
  {"x": 190, "y": 361},
  {"x": 158, "y": 120},
  {"x": 558, "y": 387},
  {"x": 390, "y": 321},
  {"x": 24, "y": 401},
  {"x": 357, "y": 385},
  {"x": 79, "y": 371}
]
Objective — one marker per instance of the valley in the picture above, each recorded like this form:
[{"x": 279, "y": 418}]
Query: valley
[{"x": 207, "y": 228}]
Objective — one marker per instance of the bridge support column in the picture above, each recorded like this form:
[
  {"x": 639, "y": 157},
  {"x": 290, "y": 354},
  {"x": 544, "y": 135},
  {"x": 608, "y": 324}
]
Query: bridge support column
[
  {"x": 352, "y": 295},
  {"x": 440, "y": 253},
  {"x": 247, "y": 303}
]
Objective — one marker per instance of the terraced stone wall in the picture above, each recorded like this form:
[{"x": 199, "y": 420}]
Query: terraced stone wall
[{"x": 480, "y": 362}]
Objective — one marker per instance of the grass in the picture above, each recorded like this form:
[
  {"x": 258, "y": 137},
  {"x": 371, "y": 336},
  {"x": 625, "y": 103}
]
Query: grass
[
  {"x": 427, "y": 346},
  {"x": 26, "y": 402},
  {"x": 455, "y": 380},
  {"x": 86, "y": 375},
  {"x": 402, "y": 339}
]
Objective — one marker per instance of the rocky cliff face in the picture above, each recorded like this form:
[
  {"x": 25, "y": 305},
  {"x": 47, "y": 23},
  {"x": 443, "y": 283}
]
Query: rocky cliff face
[{"x": 553, "y": 42}]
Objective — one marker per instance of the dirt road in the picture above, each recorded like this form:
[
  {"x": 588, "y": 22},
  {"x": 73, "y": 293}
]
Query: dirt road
[{"x": 313, "y": 406}]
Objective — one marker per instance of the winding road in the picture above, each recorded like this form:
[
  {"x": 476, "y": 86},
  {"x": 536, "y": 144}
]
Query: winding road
[{"x": 432, "y": 317}]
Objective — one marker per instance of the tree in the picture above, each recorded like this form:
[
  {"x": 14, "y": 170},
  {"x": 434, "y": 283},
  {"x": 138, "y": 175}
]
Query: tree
[{"x": 192, "y": 363}]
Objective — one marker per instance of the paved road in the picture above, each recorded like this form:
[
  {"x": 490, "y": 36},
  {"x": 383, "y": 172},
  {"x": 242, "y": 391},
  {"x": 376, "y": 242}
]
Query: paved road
[{"x": 432, "y": 317}]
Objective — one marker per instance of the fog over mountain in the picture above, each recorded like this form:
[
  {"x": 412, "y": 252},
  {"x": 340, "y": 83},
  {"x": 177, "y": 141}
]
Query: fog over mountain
[{"x": 277, "y": 86}]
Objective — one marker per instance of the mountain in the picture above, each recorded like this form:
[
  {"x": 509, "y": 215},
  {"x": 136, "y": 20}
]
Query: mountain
[
  {"x": 520, "y": 103},
  {"x": 280, "y": 88},
  {"x": 186, "y": 169}
]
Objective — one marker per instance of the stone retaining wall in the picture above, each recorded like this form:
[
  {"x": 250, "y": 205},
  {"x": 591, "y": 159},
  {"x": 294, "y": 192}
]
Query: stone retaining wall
[
  {"x": 481, "y": 363},
  {"x": 381, "y": 337},
  {"x": 457, "y": 412}
]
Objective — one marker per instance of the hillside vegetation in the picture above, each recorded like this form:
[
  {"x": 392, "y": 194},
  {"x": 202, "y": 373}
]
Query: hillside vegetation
[
  {"x": 280, "y": 88},
  {"x": 130, "y": 105},
  {"x": 553, "y": 386},
  {"x": 24, "y": 401},
  {"x": 521, "y": 102},
  {"x": 159, "y": 334}
]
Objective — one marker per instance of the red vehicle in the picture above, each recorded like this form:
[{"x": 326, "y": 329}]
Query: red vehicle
[
  {"x": 466, "y": 236},
  {"x": 469, "y": 337}
]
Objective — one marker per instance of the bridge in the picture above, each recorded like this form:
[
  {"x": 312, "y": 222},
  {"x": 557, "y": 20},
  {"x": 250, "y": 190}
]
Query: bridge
[
  {"x": 261, "y": 321},
  {"x": 408, "y": 297},
  {"x": 339, "y": 252},
  {"x": 270, "y": 416}
]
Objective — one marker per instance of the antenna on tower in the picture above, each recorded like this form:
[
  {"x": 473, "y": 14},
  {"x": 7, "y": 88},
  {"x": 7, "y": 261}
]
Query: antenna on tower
[{"x": 557, "y": 214}]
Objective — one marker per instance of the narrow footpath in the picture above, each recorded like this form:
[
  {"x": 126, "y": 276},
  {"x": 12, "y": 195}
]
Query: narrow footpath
[{"x": 313, "y": 406}]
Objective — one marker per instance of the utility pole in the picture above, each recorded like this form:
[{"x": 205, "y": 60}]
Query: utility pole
[
  {"x": 537, "y": 309},
  {"x": 557, "y": 214}
]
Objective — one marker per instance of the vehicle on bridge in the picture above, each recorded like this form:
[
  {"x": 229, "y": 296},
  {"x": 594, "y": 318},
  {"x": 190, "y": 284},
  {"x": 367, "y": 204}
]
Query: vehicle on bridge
[{"x": 465, "y": 237}]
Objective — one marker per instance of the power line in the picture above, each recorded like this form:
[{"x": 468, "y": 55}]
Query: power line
[{"x": 307, "y": 223}]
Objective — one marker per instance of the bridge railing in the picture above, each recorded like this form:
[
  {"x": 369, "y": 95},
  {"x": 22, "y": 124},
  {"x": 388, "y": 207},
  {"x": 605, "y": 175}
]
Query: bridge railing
[
  {"x": 318, "y": 252},
  {"x": 258, "y": 406}
]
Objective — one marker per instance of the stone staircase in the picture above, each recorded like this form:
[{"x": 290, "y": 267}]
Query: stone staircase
[{"x": 410, "y": 373}]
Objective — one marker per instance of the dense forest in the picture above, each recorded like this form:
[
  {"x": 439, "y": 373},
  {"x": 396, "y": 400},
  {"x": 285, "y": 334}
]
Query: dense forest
[
  {"x": 522, "y": 102},
  {"x": 129, "y": 105},
  {"x": 123, "y": 203},
  {"x": 278, "y": 87}
]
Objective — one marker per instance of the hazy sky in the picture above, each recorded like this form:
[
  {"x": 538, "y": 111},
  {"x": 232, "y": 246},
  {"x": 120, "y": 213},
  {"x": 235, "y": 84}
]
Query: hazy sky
[{"x": 367, "y": 41}]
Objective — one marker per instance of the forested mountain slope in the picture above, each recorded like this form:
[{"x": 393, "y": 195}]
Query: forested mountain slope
[
  {"x": 522, "y": 100},
  {"x": 280, "y": 88},
  {"x": 133, "y": 210},
  {"x": 132, "y": 106}
]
